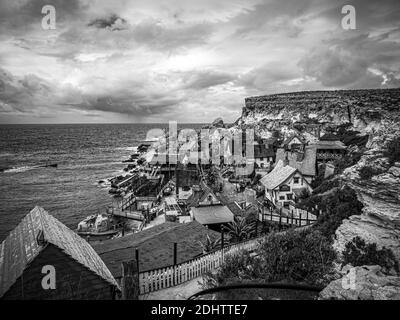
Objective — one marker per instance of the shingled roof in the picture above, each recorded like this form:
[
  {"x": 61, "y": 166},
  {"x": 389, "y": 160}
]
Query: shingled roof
[
  {"x": 155, "y": 246},
  {"x": 21, "y": 247},
  {"x": 277, "y": 176}
]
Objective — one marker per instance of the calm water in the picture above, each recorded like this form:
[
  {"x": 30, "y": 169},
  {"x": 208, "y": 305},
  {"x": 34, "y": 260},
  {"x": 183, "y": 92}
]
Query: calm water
[{"x": 85, "y": 154}]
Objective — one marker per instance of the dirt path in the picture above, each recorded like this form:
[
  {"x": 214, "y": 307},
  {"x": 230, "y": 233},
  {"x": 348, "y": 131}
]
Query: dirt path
[{"x": 181, "y": 292}]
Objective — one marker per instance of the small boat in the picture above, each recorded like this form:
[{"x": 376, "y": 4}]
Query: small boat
[{"x": 98, "y": 226}]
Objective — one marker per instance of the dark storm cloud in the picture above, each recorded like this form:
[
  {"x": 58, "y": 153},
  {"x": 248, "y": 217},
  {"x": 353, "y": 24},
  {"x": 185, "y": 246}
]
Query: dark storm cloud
[
  {"x": 347, "y": 61},
  {"x": 267, "y": 75},
  {"x": 206, "y": 79},
  {"x": 128, "y": 103},
  {"x": 26, "y": 94},
  {"x": 112, "y": 22},
  {"x": 21, "y": 94},
  {"x": 159, "y": 37}
]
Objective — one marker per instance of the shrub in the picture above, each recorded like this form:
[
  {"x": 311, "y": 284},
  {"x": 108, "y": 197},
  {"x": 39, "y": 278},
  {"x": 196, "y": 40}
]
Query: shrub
[
  {"x": 294, "y": 256},
  {"x": 326, "y": 185},
  {"x": 358, "y": 253},
  {"x": 300, "y": 256},
  {"x": 393, "y": 150},
  {"x": 335, "y": 208},
  {"x": 367, "y": 172}
]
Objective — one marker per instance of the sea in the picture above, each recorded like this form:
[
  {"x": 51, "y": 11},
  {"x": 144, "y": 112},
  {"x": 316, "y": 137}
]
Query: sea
[{"x": 85, "y": 154}]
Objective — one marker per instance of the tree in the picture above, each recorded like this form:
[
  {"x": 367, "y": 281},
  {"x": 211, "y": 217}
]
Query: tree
[
  {"x": 210, "y": 245},
  {"x": 240, "y": 230}
]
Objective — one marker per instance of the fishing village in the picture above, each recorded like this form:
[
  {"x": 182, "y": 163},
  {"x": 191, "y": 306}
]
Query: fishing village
[{"x": 173, "y": 221}]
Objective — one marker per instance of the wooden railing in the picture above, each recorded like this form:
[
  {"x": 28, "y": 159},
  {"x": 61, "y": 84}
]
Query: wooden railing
[
  {"x": 174, "y": 275},
  {"x": 293, "y": 216}
]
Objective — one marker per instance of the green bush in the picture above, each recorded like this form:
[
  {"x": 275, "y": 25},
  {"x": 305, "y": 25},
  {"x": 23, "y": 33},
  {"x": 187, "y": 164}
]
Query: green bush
[
  {"x": 393, "y": 150},
  {"x": 335, "y": 208},
  {"x": 367, "y": 172},
  {"x": 358, "y": 253},
  {"x": 326, "y": 185},
  {"x": 297, "y": 256},
  {"x": 292, "y": 257}
]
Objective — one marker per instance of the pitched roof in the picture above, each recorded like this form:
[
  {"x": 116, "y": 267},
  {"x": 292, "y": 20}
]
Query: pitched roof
[
  {"x": 155, "y": 246},
  {"x": 304, "y": 162},
  {"x": 212, "y": 214},
  {"x": 292, "y": 136},
  {"x": 277, "y": 176},
  {"x": 21, "y": 247},
  {"x": 328, "y": 145}
]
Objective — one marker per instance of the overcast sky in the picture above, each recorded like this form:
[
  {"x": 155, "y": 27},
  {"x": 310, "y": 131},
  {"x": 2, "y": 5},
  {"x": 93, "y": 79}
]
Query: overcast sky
[{"x": 191, "y": 61}]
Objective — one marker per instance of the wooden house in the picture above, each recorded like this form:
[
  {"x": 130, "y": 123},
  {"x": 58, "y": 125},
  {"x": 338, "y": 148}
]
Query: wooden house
[
  {"x": 284, "y": 184},
  {"x": 41, "y": 246}
]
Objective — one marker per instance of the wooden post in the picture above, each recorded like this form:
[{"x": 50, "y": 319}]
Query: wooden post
[
  {"x": 175, "y": 253},
  {"x": 300, "y": 218},
  {"x": 137, "y": 258},
  {"x": 292, "y": 219},
  {"x": 130, "y": 281},
  {"x": 222, "y": 243}
]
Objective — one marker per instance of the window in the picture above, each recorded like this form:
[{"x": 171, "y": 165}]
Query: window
[
  {"x": 296, "y": 180},
  {"x": 289, "y": 196},
  {"x": 261, "y": 159},
  {"x": 281, "y": 197}
]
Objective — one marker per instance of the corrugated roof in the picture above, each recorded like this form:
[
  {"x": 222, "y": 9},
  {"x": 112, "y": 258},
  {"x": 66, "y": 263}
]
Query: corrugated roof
[
  {"x": 155, "y": 246},
  {"x": 277, "y": 176},
  {"x": 212, "y": 214},
  {"x": 20, "y": 248}
]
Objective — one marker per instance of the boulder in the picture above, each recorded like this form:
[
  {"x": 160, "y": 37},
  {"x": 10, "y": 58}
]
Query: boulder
[{"x": 363, "y": 283}]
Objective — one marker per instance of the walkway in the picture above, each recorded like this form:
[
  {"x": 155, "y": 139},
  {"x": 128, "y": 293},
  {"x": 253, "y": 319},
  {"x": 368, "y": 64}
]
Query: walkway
[{"x": 180, "y": 292}]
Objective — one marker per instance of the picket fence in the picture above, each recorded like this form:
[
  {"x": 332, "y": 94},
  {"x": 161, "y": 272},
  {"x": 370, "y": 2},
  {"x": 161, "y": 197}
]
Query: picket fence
[{"x": 162, "y": 278}]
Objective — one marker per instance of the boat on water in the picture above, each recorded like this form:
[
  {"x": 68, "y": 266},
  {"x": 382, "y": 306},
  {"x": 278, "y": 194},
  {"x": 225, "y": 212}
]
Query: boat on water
[{"x": 98, "y": 226}]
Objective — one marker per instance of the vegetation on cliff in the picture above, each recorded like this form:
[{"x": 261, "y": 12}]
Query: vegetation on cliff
[{"x": 359, "y": 253}]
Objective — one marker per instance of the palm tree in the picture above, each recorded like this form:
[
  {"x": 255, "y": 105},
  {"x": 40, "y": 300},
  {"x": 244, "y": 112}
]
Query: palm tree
[
  {"x": 240, "y": 229},
  {"x": 210, "y": 244}
]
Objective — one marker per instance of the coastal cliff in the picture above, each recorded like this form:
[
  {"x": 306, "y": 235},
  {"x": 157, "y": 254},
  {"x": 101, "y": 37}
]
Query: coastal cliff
[
  {"x": 375, "y": 115},
  {"x": 365, "y": 110}
]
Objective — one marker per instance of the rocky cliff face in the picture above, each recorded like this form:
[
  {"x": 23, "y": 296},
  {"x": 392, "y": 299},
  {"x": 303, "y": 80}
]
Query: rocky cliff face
[
  {"x": 380, "y": 221},
  {"x": 367, "y": 110}
]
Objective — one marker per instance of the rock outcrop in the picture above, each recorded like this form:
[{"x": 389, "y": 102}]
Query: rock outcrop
[
  {"x": 363, "y": 283},
  {"x": 380, "y": 195},
  {"x": 364, "y": 109}
]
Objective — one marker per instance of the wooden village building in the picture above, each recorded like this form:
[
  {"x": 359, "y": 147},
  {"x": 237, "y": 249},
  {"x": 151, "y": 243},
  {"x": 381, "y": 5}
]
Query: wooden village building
[
  {"x": 158, "y": 247},
  {"x": 284, "y": 184},
  {"x": 39, "y": 241},
  {"x": 206, "y": 208}
]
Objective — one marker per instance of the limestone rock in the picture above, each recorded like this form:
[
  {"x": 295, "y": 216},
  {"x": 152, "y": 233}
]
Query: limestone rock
[{"x": 363, "y": 283}]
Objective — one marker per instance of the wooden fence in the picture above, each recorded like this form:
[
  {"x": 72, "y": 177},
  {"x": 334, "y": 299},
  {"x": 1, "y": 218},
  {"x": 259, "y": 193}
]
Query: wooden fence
[
  {"x": 162, "y": 278},
  {"x": 293, "y": 216}
]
